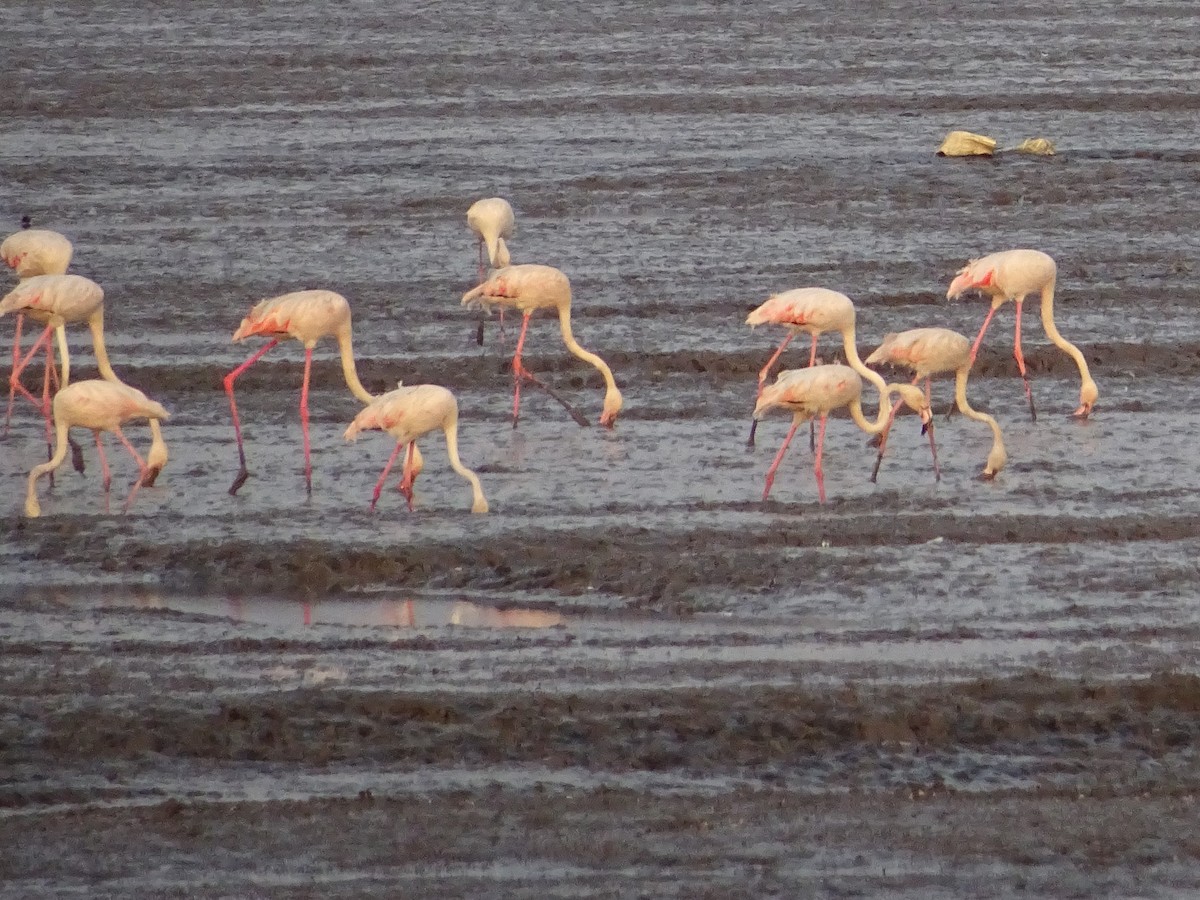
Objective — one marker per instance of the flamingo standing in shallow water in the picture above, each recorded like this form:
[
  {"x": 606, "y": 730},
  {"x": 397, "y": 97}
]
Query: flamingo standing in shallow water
[
  {"x": 1012, "y": 275},
  {"x": 492, "y": 221},
  {"x": 56, "y": 301},
  {"x": 102, "y": 406},
  {"x": 817, "y": 391},
  {"x": 932, "y": 351},
  {"x": 814, "y": 310},
  {"x": 406, "y": 414},
  {"x": 306, "y": 316},
  {"x": 529, "y": 288}
]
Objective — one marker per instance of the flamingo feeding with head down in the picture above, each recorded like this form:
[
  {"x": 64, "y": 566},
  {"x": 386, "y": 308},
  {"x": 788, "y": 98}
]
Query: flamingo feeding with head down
[
  {"x": 306, "y": 316},
  {"x": 932, "y": 351},
  {"x": 530, "y": 287},
  {"x": 56, "y": 301},
  {"x": 817, "y": 391},
  {"x": 406, "y": 414},
  {"x": 102, "y": 406},
  {"x": 813, "y": 310},
  {"x": 1012, "y": 275},
  {"x": 492, "y": 221}
]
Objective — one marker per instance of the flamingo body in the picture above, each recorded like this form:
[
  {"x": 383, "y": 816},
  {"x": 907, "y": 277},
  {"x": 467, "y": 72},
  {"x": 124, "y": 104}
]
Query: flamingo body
[
  {"x": 408, "y": 413},
  {"x": 493, "y": 222},
  {"x": 1013, "y": 275},
  {"x": 36, "y": 251},
  {"x": 54, "y": 299},
  {"x": 934, "y": 351},
  {"x": 529, "y": 288},
  {"x": 818, "y": 390},
  {"x": 102, "y": 406}
]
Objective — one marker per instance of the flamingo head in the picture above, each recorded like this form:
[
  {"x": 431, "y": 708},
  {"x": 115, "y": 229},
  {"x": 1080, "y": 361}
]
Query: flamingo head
[
  {"x": 612, "y": 405},
  {"x": 914, "y": 399},
  {"x": 1088, "y": 395},
  {"x": 971, "y": 276},
  {"x": 996, "y": 461}
]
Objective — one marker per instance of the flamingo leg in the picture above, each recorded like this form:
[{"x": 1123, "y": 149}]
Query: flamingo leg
[
  {"x": 882, "y": 438},
  {"x": 812, "y": 426},
  {"x": 406, "y": 482},
  {"x": 979, "y": 337},
  {"x": 937, "y": 469},
  {"x": 383, "y": 476},
  {"x": 243, "y": 472},
  {"x": 817, "y": 470},
  {"x": 137, "y": 482},
  {"x": 14, "y": 378},
  {"x": 520, "y": 373},
  {"x": 105, "y": 471},
  {"x": 1020, "y": 357},
  {"x": 766, "y": 370},
  {"x": 304, "y": 419},
  {"x": 779, "y": 457}
]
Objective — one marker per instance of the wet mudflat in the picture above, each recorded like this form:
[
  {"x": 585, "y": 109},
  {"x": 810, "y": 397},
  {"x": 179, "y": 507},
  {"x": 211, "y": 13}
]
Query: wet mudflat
[{"x": 633, "y": 677}]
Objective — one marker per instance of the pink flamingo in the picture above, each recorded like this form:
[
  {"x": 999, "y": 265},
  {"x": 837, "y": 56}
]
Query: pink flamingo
[
  {"x": 1012, "y": 275},
  {"x": 817, "y": 391},
  {"x": 102, "y": 406},
  {"x": 529, "y": 288},
  {"x": 306, "y": 316},
  {"x": 492, "y": 221},
  {"x": 814, "y": 310},
  {"x": 932, "y": 351},
  {"x": 406, "y": 414},
  {"x": 56, "y": 301}
]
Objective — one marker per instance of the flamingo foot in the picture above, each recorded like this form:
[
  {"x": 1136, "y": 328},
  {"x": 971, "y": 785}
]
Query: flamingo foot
[{"x": 242, "y": 475}]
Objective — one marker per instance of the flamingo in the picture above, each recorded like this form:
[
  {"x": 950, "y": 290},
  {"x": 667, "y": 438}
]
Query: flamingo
[
  {"x": 102, "y": 406},
  {"x": 406, "y": 414},
  {"x": 1012, "y": 275},
  {"x": 56, "y": 301},
  {"x": 306, "y": 316},
  {"x": 814, "y": 310},
  {"x": 529, "y": 287},
  {"x": 932, "y": 351},
  {"x": 30, "y": 252},
  {"x": 817, "y": 391},
  {"x": 492, "y": 221}
]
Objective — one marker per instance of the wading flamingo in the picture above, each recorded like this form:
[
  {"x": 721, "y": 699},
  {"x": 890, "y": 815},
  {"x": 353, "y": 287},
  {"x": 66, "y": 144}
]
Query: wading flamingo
[
  {"x": 814, "y": 310},
  {"x": 530, "y": 287},
  {"x": 492, "y": 221},
  {"x": 31, "y": 252},
  {"x": 102, "y": 406},
  {"x": 56, "y": 301},
  {"x": 932, "y": 351},
  {"x": 817, "y": 391},
  {"x": 306, "y": 316},
  {"x": 1012, "y": 275},
  {"x": 406, "y": 414}
]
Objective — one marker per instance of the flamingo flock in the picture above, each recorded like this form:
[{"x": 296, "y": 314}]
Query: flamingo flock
[{"x": 49, "y": 295}]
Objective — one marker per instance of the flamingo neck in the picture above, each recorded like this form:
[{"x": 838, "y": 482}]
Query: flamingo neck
[
  {"x": 960, "y": 398},
  {"x": 96, "y": 324},
  {"x": 880, "y": 423},
  {"x": 157, "y": 457},
  {"x": 349, "y": 369},
  {"x": 1061, "y": 342},
  {"x": 612, "y": 396},
  {"x": 855, "y": 362},
  {"x": 33, "y": 509},
  {"x": 479, "y": 503}
]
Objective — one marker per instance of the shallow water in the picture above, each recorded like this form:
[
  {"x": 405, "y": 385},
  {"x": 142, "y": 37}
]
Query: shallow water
[{"x": 680, "y": 162}]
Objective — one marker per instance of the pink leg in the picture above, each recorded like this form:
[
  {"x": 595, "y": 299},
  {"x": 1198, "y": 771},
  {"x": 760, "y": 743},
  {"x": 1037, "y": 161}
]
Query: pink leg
[
  {"x": 406, "y": 483},
  {"x": 887, "y": 429},
  {"x": 937, "y": 469},
  {"x": 779, "y": 457},
  {"x": 304, "y": 420},
  {"x": 519, "y": 371},
  {"x": 14, "y": 378},
  {"x": 766, "y": 370},
  {"x": 383, "y": 476},
  {"x": 820, "y": 473},
  {"x": 105, "y": 472},
  {"x": 243, "y": 472},
  {"x": 141, "y": 463},
  {"x": 1021, "y": 363},
  {"x": 979, "y": 337}
]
